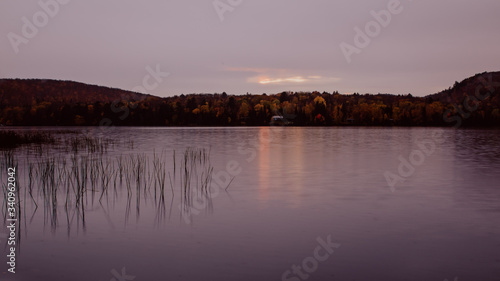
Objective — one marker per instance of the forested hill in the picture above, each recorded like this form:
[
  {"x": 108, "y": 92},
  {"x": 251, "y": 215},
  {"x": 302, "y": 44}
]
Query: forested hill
[
  {"x": 474, "y": 101},
  {"x": 478, "y": 85},
  {"x": 26, "y": 92}
]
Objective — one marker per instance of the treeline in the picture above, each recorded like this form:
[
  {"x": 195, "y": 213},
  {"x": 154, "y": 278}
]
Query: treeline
[{"x": 475, "y": 101}]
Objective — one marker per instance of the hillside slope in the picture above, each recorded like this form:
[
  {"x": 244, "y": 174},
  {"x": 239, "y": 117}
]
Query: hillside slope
[
  {"x": 23, "y": 92},
  {"x": 483, "y": 84}
]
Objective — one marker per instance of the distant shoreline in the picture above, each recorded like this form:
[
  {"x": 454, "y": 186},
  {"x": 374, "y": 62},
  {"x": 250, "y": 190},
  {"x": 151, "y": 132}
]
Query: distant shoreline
[{"x": 473, "y": 102}]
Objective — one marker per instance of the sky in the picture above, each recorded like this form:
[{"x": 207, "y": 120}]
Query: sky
[{"x": 175, "y": 47}]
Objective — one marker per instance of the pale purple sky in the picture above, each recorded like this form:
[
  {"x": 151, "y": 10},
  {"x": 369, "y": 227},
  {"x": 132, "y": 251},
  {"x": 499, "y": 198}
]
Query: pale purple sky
[{"x": 255, "y": 46}]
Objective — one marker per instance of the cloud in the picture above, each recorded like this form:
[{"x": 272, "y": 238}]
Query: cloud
[
  {"x": 282, "y": 76},
  {"x": 311, "y": 80}
]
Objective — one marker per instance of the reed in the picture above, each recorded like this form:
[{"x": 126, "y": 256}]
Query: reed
[{"x": 83, "y": 171}]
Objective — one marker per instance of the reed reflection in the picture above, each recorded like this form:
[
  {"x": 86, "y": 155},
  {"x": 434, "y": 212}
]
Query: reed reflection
[{"x": 82, "y": 176}]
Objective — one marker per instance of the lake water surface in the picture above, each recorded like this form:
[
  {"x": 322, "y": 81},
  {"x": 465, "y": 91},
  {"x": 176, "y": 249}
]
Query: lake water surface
[{"x": 290, "y": 191}]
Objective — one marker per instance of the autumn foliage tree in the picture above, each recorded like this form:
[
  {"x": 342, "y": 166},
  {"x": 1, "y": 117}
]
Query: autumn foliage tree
[{"x": 50, "y": 103}]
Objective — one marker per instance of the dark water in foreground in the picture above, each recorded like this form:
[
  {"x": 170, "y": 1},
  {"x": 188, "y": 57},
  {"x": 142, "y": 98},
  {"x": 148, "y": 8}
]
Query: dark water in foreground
[{"x": 317, "y": 198}]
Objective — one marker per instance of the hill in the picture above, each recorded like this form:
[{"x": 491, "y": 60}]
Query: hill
[
  {"x": 25, "y": 92},
  {"x": 479, "y": 84},
  {"x": 472, "y": 102}
]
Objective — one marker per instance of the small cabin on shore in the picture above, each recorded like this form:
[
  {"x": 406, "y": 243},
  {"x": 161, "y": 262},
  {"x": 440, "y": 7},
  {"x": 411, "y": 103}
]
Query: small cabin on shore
[{"x": 278, "y": 120}]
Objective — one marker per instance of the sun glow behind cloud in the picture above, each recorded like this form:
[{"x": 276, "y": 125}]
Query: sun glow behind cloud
[
  {"x": 297, "y": 79},
  {"x": 282, "y": 77},
  {"x": 291, "y": 80}
]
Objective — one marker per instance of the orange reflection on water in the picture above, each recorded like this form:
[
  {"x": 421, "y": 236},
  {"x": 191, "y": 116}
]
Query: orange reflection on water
[
  {"x": 264, "y": 165},
  {"x": 278, "y": 159}
]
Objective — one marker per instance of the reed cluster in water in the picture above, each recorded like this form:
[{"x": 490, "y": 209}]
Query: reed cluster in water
[{"x": 77, "y": 171}]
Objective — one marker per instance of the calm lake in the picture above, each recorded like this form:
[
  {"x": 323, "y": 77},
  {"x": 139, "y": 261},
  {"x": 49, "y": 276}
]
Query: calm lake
[{"x": 266, "y": 203}]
